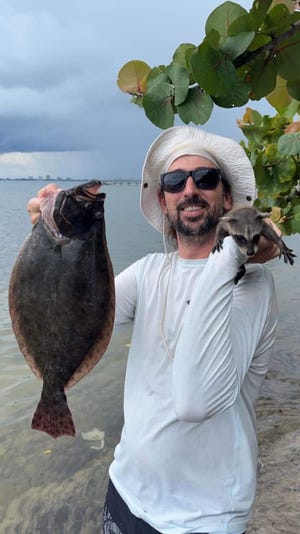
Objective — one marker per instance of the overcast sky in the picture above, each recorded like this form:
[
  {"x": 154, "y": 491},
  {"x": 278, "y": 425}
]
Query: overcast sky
[{"x": 61, "y": 112}]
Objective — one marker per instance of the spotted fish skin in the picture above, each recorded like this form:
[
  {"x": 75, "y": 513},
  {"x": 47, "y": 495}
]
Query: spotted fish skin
[{"x": 62, "y": 302}]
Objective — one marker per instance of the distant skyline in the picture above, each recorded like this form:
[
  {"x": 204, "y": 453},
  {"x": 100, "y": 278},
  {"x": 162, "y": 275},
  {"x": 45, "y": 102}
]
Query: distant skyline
[{"x": 61, "y": 112}]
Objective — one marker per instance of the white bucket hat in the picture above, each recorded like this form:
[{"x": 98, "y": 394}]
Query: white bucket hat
[{"x": 178, "y": 141}]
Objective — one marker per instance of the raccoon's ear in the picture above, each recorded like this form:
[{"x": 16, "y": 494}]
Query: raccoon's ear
[
  {"x": 261, "y": 215},
  {"x": 228, "y": 218}
]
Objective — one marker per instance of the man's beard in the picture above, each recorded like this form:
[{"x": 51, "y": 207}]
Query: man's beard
[{"x": 205, "y": 226}]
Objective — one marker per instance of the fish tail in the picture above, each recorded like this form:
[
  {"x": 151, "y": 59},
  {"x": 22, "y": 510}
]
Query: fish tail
[{"x": 53, "y": 418}]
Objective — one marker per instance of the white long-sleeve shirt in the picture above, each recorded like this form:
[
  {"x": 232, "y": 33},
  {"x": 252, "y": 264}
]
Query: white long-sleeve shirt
[{"x": 200, "y": 349}]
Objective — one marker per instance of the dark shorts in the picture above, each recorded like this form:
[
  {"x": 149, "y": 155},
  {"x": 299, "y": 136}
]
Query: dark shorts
[{"x": 118, "y": 519}]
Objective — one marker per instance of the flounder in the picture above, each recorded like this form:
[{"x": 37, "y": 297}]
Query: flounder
[{"x": 61, "y": 299}]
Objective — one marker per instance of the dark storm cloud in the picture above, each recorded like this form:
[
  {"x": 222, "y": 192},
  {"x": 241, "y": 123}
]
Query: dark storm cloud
[{"x": 59, "y": 63}]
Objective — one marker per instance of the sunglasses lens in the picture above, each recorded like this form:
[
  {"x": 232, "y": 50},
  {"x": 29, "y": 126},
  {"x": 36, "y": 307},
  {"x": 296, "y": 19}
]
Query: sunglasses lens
[
  {"x": 207, "y": 178},
  {"x": 173, "y": 182},
  {"x": 204, "y": 178}
]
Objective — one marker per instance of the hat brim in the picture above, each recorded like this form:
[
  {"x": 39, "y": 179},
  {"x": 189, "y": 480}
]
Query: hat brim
[{"x": 182, "y": 140}]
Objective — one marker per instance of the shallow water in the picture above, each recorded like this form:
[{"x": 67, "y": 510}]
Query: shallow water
[{"x": 48, "y": 485}]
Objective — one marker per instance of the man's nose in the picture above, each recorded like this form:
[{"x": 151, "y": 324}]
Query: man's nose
[{"x": 190, "y": 187}]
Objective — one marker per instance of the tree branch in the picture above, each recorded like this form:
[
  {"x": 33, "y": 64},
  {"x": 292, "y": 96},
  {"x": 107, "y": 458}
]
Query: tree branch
[{"x": 247, "y": 57}]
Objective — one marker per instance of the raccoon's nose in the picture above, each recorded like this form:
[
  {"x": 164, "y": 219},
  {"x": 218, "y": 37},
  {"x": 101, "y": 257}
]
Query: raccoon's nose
[{"x": 250, "y": 252}]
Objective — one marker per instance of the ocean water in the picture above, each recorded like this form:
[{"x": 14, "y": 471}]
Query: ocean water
[{"x": 48, "y": 485}]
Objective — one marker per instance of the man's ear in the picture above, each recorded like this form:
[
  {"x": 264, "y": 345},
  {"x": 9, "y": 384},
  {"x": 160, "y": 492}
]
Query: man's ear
[
  {"x": 227, "y": 201},
  {"x": 162, "y": 201}
]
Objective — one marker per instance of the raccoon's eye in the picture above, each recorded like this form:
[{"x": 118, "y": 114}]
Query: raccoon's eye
[
  {"x": 240, "y": 239},
  {"x": 255, "y": 239}
]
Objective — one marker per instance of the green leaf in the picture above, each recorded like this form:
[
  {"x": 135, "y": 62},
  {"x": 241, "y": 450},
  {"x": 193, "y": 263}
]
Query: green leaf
[
  {"x": 137, "y": 100},
  {"x": 213, "y": 39},
  {"x": 238, "y": 96},
  {"x": 293, "y": 87},
  {"x": 158, "y": 105},
  {"x": 287, "y": 58},
  {"x": 132, "y": 77},
  {"x": 183, "y": 53},
  {"x": 262, "y": 175},
  {"x": 236, "y": 45},
  {"x": 263, "y": 78},
  {"x": 295, "y": 226},
  {"x": 258, "y": 12},
  {"x": 277, "y": 20},
  {"x": 212, "y": 71},
  {"x": 157, "y": 76},
  {"x": 222, "y": 17},
  {"x": 241, "y": 24},
  {"x": 179, "y": 76},
  {"x": 290, "y": 110},
  {"x": 279, "y": 97},
  {"x": 293, "y": 214},
  {"x": 258, "y": 41},
  {"x": 285, "y": 170},
  {"x": 197, "y": 107},
  {"x": 289, "y": 144}
]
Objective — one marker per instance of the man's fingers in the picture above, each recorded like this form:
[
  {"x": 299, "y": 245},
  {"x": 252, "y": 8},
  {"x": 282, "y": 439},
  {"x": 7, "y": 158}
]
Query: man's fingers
[
  {"x": 34, "y": 209},
  {"x": 49, "y": 189},
  {"x": 34, "y": 204}
]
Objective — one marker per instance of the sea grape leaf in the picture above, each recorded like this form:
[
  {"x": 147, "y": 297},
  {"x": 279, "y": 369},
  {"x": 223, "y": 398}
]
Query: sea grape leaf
[
  {"x": 241, "y": 24},
  {"x": 277, "y": 20},
  {"x": 295, "y": 226},
  {"x": 156, "y": 76},
  {"x": 234, "y": 46},
  {"x": 212, "y": 71},
  {"x": 213, "y": 38},
  {"x": 158, "y": 104},
  {"x": 183, "y": 53},
  {"x": 295, "y": 221},
  {"x": 222, "y": 17},
  {"x": 279, "y": 97},
  {"x": 293, "y": 87},
  {"x": 197, "y": 107},
  {"x": 287, "y": 58},
  {"x": 132, "y": 77},
  {"x": 258, "y": 41},
  {"x": 289, "y": 144},
  {"x": 263, "y": 78},
  {"x": 285, "y": 170},
  {"x": 258, "y": 12},
  {"x": 238, "y": 96},
  {"x": 179, "y": 76}
]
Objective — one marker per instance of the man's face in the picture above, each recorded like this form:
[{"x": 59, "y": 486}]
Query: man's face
[{"x": 192, "y": 211}]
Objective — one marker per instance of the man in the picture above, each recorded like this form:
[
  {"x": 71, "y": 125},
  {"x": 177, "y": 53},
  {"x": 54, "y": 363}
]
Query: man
[{"x": 186, "y": 461}]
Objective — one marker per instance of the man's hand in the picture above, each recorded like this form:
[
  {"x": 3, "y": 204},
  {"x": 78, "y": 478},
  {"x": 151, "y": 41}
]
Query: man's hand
[
  {"x": 34, "y": 204},
  {"x": 268, "y": 250}
]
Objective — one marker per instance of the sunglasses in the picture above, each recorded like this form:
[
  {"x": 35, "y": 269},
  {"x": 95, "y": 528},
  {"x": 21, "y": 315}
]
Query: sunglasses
[{"x": 205, "y": 178}]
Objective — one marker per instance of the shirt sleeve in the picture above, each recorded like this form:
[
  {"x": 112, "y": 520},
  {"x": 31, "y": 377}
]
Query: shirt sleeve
[
  {"x": 126, "y": 294},
  {"x": 227, "y": 337}
]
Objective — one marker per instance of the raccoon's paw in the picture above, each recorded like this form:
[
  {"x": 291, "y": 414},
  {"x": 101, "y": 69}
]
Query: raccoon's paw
[
  {"x": 288, "y": 255},
  {"x": 218, "y": 246}
]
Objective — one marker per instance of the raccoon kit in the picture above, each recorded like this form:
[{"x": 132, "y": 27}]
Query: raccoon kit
[{"x": 246, "y": 225}]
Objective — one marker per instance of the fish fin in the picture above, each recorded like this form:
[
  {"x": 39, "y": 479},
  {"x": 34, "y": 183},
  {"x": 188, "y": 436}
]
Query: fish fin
[{"x": 54, "y": 419}]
